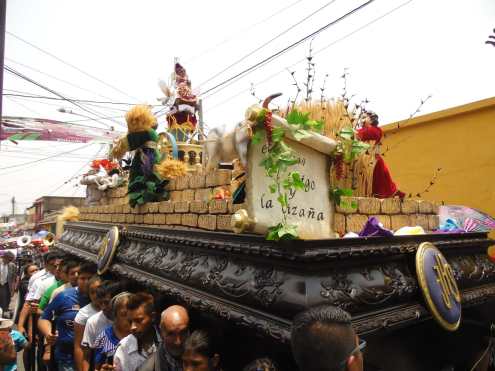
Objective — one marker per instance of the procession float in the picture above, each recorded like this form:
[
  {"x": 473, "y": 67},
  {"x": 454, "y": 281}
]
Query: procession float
[{"x": 289, "y": 208}]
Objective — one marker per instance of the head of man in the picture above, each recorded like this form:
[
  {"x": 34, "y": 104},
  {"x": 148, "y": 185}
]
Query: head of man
[
  {"x": 93, "y": 284},
  {"x": 30, "y": 269},
  {"x": 104, "y": 294},
  {"x": 59, "y": 272},
  {"x": 261, "y": 364},
  {"x": 141, "y": 312},
  {"x": 323, "y": 339},
  {"x": 8, "y": 257},
  {"x": 52, "y": 261},
  {"x": 174, "y": 329},
  {"x": 200, "y": 353},
  {"x": 86, "y": 272},
  {"x": 71, "y": 271}
]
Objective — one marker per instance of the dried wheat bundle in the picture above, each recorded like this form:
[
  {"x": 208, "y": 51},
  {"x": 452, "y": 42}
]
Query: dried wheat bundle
[{"x": 358, "y": 175}]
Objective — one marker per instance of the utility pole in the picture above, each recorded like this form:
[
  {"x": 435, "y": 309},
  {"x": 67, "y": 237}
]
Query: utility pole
[
  {"x": 13, "y": 206},
  {"x": 3, "y": 13}
]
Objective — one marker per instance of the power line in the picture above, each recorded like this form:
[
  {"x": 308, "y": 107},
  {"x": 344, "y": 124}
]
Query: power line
[
  {"x": 59, "y": 99},
  {"x": 34, "y": 152},
  {"x": 73, "y": 123},
  {"x": 22, "y": 152},
  {"x": 18, "y": 74},
  {"x": 76, "y": 174},
  {"x": 268, "y": 18},
  {"x": 267, "y": 42},
  {"x": 70, "y": 65},
  {"x": 31, "y": 157},
  {"x": 315, "y": 53},
  {"x": 45, "y": 158},
  {"x": 22, "y": 105},
  {"x": 32, "y": 95},
  {"x": 56, "y": 78},
  {"x": 89, "y": 119},
  {"x": 284, "y": 50}
]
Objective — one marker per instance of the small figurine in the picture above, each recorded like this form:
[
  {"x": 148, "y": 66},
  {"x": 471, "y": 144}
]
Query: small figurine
[
  {"x": 383, "y": 185},
  {"x": 181, "y": 118}
]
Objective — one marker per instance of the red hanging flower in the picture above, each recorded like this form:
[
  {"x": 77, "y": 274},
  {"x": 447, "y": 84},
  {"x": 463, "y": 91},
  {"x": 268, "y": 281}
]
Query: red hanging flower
[{"x": 268, "y": 124}]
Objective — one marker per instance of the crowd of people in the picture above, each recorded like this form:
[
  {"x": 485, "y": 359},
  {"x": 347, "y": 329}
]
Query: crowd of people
[{"x": 77, "y": 320}]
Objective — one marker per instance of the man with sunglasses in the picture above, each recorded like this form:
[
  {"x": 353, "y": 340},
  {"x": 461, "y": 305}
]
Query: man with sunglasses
[{"x": 323, "y": 339}]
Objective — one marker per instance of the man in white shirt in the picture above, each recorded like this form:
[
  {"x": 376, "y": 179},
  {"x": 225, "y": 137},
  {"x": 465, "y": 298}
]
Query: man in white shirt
[
  {"x": 136, "y": 348},
  {"x": 97, "y": 322},
  {"x": 38, "y": 283}
]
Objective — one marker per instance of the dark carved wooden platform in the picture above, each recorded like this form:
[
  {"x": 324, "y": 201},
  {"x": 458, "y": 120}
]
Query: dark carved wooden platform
[{"x": 261, "y": 285}]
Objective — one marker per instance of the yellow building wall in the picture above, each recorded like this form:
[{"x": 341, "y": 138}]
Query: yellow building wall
[{"x": 460, "y": 141}]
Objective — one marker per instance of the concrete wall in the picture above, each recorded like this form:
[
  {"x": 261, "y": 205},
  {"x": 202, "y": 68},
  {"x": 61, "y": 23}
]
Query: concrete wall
[{"x": 460, "y": 140}]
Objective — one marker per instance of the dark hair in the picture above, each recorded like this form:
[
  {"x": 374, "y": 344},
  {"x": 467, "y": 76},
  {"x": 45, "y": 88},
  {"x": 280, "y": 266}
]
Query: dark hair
[
  {"x": 261, "y": 364},
  {"x": 87, "y": 268},
  {"x": 321, "y": 338},
  {"x": 70, "y": 264},
  {"x": 26, "y": 267},
  {"x": 139, "y": 299},
  {"x": 108, "y": 288},
  {"x": 51, "y": 256},
  {"x": 373, "y": 117},
  {"x": 94, "y": 279},
  {"x": 200, "y": 342}
]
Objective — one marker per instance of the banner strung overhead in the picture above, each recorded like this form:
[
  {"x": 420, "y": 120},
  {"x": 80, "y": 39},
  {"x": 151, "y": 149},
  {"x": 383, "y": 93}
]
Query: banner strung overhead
[{"x": 25, "y": 128}]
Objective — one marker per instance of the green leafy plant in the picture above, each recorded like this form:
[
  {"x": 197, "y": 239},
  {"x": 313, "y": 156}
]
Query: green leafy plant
[
  {"x": 336, "y": 195},
  {"x": 348, "y": 146},
  {"x": 301, "y": 124}
]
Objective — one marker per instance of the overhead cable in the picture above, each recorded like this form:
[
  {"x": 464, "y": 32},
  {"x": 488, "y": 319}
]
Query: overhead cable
[
  {"x": 287, "y": 48},
  {"x": 29, "y": 95},
  {"x": 267, "y": 43},
  {"x": 268, "y": 18},
  {"x": 304, "y": 59},
  {"x": 77, "y": 173},
  {"x": 18, "y": 74},
  {"x": 46, "y": 158},
  {"x": 70, "y": 65},
  {"x": 56, "y": 78},
  {"x": 60, "y": 99}
]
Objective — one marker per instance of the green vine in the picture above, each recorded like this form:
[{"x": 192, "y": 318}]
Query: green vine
[
  {"x": 279, "y": 159},
  {"x": 348, "y": 146},
  {"x": 336, "y": 195}
]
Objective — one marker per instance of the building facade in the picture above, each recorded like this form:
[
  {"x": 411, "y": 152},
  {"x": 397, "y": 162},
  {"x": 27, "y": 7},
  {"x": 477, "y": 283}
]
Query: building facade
[{"x": 459, "y": 141}]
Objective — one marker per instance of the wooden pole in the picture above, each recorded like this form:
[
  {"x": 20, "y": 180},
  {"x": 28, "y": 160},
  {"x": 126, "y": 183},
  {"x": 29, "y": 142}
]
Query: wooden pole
[{"x": 201, "y": 122}]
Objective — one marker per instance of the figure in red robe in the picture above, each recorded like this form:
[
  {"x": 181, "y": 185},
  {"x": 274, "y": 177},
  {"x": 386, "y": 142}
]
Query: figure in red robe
[{"x": 383, "y": 185}]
